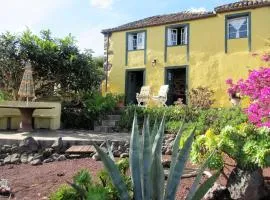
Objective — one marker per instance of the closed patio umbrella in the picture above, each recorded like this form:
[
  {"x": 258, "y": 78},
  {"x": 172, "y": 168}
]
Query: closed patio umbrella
[{"x": 27, "y": 84}]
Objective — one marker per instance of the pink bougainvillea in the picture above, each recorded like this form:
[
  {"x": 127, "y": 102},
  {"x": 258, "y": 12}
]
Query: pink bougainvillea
[{"x": 257, "y": 88}]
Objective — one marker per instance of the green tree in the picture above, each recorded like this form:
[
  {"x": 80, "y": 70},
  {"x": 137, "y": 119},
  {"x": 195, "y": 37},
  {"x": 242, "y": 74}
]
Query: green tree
[{"x": 58, "y": 65}]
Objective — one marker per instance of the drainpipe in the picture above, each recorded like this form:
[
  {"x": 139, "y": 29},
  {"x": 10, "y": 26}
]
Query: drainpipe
[{"x": 107, "y": 62}]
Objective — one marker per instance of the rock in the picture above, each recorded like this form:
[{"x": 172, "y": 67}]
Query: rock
[
  {"x": 2, "y": 163},
  {"x": 2, "y": 156},
  {"x": 166, "y": 163},
  {"x": 218, "y": 192},
  {"x": 55, "y": 156},
  {"x": 30, "y": 158},
  {"x": 114, "y": 146},
  {"x": 61, "y": 158},
  {"x": 5, "y": 189},
  {"x": 15, "y": 158},
  {"x": 116, "y": 153},
  {"x": 124, "y": 155},
  {"x": 38, "y": 156},
  {"x": 60, "y": 174},
  {"x": 36, "y": 162},
  {"x": 14, "y": 149},
  {"x": 58, "y": 145},
  {"x": 7, "y": 159},
  {"x": 246, "y": 184},
  {"x": 28, "y": 145},
  {"x": 47, "y": 152},
  {"x": 168, "y": 151},
  {"x": 24, "y": 158},
  {"x": 96, "y": 157},
  {"x": 48, "y": 160}
]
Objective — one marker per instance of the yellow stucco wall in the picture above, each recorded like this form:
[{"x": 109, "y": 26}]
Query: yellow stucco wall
[{"x": 208, "y": 64}]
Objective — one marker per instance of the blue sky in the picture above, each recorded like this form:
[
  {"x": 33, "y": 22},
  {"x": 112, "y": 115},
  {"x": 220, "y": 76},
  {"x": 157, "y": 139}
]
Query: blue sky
[{"x": 84, "y": 19}]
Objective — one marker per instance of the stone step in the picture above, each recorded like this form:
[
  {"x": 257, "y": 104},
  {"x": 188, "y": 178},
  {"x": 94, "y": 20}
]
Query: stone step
[
  {"x": 104, "y": 129},
  {"x": 114, "y": 117},
  {"x": 109, "y": 122}
]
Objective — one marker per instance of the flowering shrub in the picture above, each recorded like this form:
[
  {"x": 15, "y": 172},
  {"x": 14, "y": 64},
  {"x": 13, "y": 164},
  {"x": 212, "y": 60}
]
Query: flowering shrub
[{"x": 257, "y": 88}]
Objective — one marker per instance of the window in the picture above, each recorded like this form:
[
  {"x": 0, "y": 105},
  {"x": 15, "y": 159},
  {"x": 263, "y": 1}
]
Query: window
[
  {"x": 177, "y": 36},
  {"x": 237, "y": 27},
  {"x": 136, "y": 41}
]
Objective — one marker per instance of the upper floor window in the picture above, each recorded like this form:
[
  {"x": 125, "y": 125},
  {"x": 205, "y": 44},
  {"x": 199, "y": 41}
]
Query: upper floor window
[
  {"x": 177, "y": 36},
  {"x": 136, "y": 41},
  {"x": 238, "y": 27}
]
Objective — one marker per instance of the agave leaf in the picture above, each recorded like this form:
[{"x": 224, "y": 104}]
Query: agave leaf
[
  {"x": 114, "y": 174},
  {"x": 175, "y": 148},
  {"x": 110, "y": 150},
  {"x": 146, "y": 160},
  {"x": 203, "y": 189},
  {"x": 196, "y": 182},
  {"x": 157, "y": 179},
  {"x": 177, "y": 171},
  {"x": 134, "y": 160},
  {"x": 154, "y": 131},
  {"x": 157, "y": 145}
]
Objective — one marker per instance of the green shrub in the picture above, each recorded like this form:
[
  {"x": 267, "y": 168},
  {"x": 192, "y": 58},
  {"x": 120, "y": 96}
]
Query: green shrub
[
  {"x": 201, "y": 97},
  {"x": 64, "y": 192},
  {"x": 247, "y": 145},
  {"x": 87, "y": 108},
  {"x": 82, "y": 188}
]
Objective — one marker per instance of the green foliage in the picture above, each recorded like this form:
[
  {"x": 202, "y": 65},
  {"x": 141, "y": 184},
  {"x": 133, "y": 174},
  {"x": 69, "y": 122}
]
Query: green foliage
[
  {"x": 146, "y": 169},
  {"x": 64, "y": 192},
  {"x": 55, "y": 62},
  {"x": 87, "y": 108},
  {"x": 105, "y": 179},
  {"x": 247, "y": 145},
  {"x": 82, "y": 188},
  {"x": 203, "y": 119}
]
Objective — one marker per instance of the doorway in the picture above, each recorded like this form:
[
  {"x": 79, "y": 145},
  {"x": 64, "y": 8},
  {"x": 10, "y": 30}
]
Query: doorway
[
  {"x": 134, "y": 82},
  {"x": 176, "y": 78}
]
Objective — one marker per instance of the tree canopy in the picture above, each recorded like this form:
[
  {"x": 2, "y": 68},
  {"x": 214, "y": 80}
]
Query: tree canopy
[{"x": 58, "y": 65}]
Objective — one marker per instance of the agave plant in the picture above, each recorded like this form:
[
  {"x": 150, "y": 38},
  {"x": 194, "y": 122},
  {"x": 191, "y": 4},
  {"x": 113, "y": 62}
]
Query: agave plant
[{"x": 146, "y": 168}]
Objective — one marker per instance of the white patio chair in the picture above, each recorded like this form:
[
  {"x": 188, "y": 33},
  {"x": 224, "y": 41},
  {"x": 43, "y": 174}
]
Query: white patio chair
[
  {"x": 144, "y": 96},
  {"x": 161, "y": 98}
]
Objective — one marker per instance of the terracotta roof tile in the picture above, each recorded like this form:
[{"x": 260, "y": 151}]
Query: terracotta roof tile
[
  {"x": 241, "y": 5},
  {"x": 184, "y": 16}
]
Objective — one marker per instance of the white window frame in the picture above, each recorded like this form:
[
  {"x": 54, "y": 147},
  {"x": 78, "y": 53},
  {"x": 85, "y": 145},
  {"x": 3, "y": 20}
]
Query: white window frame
[
  {"x": 229, "y": 21},
  {"x": 136, "y": 41},
  {"x": 172, "y": 36}
]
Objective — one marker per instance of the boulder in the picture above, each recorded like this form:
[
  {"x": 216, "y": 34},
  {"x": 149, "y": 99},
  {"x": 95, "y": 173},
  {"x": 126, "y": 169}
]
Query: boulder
[
  {"x": 61, "y": 158},
  {"x": 28, "y": 145},
  {"x": 166, "y": 163},
  {"x": 3, "y": 155},
  {"x": 47, "y": 152},
  {"x": 36, "y": 162},
  {"x": 7, "y": 159},
  {"x": 168, "y": 151},
  {"x": 218, "y": 192},
  {"x": 58, "y": 145},
  {"x": 15, "y": 158},
  {"x": 96, "y": 157},
  {"x": 116, "y": 153},
  {"x": 243, "y": 184},
  {"x": 30, "y": 158},
  {"x": 48, "y": 160},
  {"x": 24, "y": 158},
  {"x": 55, "y": 156}
]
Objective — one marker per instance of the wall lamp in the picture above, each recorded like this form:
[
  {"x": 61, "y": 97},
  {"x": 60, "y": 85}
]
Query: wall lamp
[{"x": 154, "y": 62}]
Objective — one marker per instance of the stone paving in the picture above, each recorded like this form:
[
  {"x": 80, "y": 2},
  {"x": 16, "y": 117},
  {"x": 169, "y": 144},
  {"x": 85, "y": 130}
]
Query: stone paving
[{"x": 70, "y": 136}]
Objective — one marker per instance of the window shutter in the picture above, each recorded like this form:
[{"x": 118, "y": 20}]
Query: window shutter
[
  {"x": 186, "y": 35},
  {"x": 141, "y": 40},
  {"x": 169, "y": 36},
  {"x": 130, "y": 42}
]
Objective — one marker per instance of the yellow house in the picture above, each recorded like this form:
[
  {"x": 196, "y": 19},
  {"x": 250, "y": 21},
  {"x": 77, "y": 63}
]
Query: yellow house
[{"x": 186, "y": 50}]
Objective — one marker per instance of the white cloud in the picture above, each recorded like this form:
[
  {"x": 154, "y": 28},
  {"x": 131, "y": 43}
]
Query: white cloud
[
  {"x": 102, "y": 3},
  {"x": 92, "y": 39},
  {"x": 15, "y": 15},
  {"x": 197, "y": 10}
]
